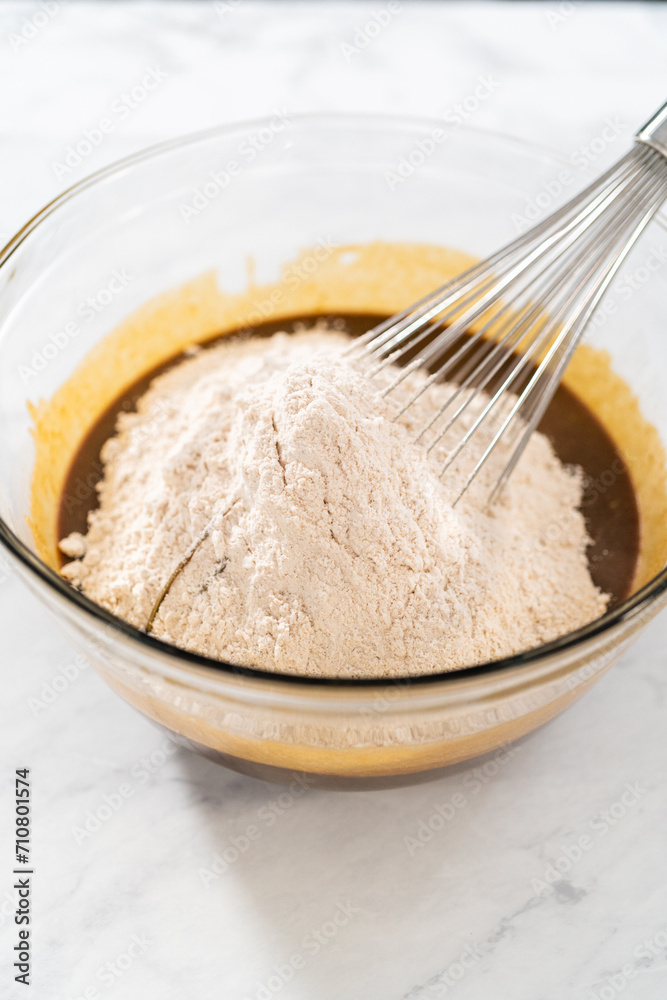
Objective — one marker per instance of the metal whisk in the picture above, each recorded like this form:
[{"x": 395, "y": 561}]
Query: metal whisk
[{"x": 508, "y": 326}]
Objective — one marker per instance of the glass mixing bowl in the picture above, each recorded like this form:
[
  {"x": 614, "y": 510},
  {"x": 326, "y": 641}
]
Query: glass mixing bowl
[{"x": 269, "y": 191}]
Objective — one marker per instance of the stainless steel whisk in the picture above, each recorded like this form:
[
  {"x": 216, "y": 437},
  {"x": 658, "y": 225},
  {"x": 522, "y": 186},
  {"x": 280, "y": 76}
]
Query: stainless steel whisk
[{"x": 524, "y": 309}]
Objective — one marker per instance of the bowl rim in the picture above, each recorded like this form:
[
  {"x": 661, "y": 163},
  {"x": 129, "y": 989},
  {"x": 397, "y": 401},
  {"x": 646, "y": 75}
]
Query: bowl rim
[{"x": 632, "y": 608}]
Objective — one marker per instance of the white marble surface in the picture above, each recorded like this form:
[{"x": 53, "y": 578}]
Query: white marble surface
[{"x": 461, "y": 916}]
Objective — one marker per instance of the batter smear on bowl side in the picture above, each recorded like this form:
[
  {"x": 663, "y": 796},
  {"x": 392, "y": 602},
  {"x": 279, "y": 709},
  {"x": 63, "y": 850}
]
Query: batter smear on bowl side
[{"x": 322, "y": 540}]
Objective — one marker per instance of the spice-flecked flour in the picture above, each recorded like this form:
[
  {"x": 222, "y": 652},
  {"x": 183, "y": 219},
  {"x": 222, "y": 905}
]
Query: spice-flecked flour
[{"x": 333, "y": 547}]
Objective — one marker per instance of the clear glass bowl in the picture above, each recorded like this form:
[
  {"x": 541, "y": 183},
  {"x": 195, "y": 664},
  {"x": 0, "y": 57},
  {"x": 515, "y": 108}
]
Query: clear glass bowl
[{"x": 121, "y": 237}]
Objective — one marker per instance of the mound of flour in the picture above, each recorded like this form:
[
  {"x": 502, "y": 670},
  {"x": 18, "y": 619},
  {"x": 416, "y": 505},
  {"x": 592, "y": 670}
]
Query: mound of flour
[{"x": 334, "y": 548}]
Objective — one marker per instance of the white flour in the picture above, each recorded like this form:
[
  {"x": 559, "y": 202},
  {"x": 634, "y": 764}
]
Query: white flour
[{"x": 339, "y": 553}]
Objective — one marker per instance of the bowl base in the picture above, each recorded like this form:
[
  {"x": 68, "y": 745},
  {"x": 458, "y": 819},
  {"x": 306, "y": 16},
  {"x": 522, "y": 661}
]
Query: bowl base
[{"x": 331, "y": 782}]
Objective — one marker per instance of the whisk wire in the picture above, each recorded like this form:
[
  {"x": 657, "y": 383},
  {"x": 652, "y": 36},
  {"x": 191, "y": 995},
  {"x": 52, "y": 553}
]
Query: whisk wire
[
  {"x": 506, "y": 328},
  {"x": 478, "y": 368},
  {"x": 435, "y": 300},
  {"x": 561, "y": 350},
  {"x": 492, "y": 290}
]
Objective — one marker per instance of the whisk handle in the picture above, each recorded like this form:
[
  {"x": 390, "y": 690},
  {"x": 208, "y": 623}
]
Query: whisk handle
[{"x": 654, "y": 132}]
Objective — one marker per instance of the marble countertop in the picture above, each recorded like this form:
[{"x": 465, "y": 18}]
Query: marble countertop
[{"x": 331, "y": 901}]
